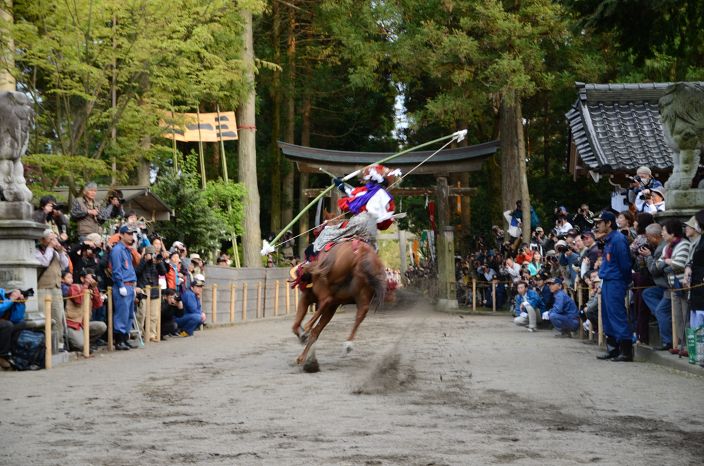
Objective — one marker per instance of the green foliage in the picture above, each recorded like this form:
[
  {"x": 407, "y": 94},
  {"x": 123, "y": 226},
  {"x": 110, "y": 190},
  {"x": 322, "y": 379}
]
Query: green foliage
[
  {"x": 44, "y": 172},
  {"x": 226, "y": 201}
]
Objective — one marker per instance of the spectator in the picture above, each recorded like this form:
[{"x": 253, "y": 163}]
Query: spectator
[
  {"x": 652, "y": 202},
  {"x": 113, "y": 205},
  {"x": 675, "y": 256},
  {"x": 693, "y": 234},
  {"x": 66, "y": 282},
  {"x": 513, "y": 270},
  {"x": 85, "y": 212},
  {"x": 224, "y": 260},
  {"x": 591, "y": 308},
  {"x": 124, "y": 280},
  {"x": 12, "y": 309},
  {"x": 563, "y": 314},
  {"x": 544, "y": 290},
  {"x": 193, "y": 314},
  {"x": 562, "y": 226},
  {"x": 641, "y": 277},
  {"x": 87, "y": 253},
  {"x": 592, "y": 252},
  {"x": 52, "y": 259},
  {"x": 615, "y": 275},
  {"x": 567, "y": 260},
  {"x": 624, "y": 222},
  {"x": 74, "y": 311},
  {"x": 150, "y": 268},
  {"x": 584, "y": 218},
  {"x": 535, "y": 265},
  {"x": 514, "y": 225},
  {"x": 528, "y": 306},
  {"x": 171, "y": 308},
  {"x": 54, "y": 219},
  {"x": 696, "y": 276},
  {"x": 174, "y": 277},
  {"x": 657, "y": 298},
  {"x": 642, "y": 183}
]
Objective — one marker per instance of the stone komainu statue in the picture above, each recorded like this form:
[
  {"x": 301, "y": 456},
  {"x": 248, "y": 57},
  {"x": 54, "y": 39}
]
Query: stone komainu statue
[
  {"x": 682, "y": 113},
  {"x": 16, "y": 117}
]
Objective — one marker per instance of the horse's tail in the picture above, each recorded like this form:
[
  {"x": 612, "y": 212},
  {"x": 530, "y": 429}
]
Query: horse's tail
[{"x": 373, "y": 270}]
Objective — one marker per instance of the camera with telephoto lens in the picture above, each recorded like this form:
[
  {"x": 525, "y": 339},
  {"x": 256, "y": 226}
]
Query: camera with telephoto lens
[
  {"x": 177, "y": 299},
  {"x": 28, "y": 293}
]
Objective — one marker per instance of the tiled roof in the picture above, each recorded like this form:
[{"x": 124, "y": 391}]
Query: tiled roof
[{"x": 617, "y": 127}]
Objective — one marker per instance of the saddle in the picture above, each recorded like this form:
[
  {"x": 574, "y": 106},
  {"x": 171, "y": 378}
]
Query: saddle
[{"x": 302, "y": 279}]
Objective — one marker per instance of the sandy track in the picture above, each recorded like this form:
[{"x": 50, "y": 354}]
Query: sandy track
[{"x": 419, "y": 388}]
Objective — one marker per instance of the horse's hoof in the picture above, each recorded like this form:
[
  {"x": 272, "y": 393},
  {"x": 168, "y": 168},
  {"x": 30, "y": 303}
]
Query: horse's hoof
[
  {"x": 311, "y": 364},
  {"x": 347, "y": 347}
]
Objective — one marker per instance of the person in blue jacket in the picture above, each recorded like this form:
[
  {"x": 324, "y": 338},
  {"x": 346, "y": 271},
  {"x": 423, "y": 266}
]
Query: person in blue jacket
[
  {"x": 615, "y": 273},
  {"x": 124, "y": 279},
  {"x": 193, "y": 314},
  {"x": 528, "y": 306},
  {"x": 12, "y": 309},
  {"x": 563, "y": 314}
]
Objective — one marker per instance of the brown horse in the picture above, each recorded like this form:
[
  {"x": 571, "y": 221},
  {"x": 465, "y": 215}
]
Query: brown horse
[{"x": 350, "y": 273}]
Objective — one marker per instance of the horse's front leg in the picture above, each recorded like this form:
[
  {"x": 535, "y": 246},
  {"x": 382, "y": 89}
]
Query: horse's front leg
[
  {"x": 327, "y": 310},
  {"x": 305, "y": 301}
]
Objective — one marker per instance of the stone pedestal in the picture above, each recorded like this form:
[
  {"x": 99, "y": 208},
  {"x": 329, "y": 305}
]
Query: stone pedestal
[
  {"x": 682, "y": 204},
  {"x": 18, "y": 268}
]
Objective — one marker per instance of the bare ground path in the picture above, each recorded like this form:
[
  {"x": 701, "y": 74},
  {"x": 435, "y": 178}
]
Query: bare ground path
[{"x": 419, "y": 388}]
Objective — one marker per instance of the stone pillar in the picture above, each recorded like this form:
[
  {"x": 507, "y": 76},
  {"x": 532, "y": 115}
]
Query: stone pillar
[{"x": 445, "y": 246}]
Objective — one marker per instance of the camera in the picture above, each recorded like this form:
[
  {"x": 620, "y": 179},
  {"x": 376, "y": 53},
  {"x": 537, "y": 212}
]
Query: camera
[
  {"x": 28, "y": 293},
  {"x": 177, "y": 299},
  {"x": 141, "y": 296}
]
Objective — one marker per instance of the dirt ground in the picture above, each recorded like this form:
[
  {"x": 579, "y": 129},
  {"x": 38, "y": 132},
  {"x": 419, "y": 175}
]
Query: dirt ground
[{"x": 420, "y": 388}]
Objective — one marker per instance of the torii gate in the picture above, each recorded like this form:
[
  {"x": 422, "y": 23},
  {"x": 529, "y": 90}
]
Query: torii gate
[{"x": 459, "y": 160}]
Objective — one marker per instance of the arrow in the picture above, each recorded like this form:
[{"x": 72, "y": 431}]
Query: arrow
[{"x": 267, "y": 247}]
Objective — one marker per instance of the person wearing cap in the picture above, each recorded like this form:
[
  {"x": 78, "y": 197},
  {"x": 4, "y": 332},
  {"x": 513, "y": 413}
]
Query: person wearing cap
[
  {"x": 148, "y": 271},
  {"x": 543, "y": 289},
  {"x": 641, "y": 184},
  {"x": 563, "y": 314},
  {"x": 528, "y": 306},
  {"x": 85, "y": 212},
  {"x": 12, "y": 314},
  {"x": 87, "y": 253},
  {"x": 651, "y": 200},
  {"x": 592, "y": 252},
  {"x": 615, "y": 274},
  {"x": 124, "y": 278},
  {"x": 53, "y": 260},
  {"x": 195, "y": 265},
  {"x": 193, "y": 314}
]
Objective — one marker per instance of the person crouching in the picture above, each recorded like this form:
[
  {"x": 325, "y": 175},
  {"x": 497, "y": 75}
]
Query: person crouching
[
  {"x": 193, "y": 314},
  {"x": 563, "y": 315}
]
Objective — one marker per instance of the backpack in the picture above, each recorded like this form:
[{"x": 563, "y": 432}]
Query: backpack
[{"x": 28, "y": 351}]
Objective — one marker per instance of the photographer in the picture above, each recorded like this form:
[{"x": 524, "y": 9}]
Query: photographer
[
  {"x": 562, "y": 226},
  {"x": 87, "y": 253},
  {"x": 148, "y": 271},
  {"x": 642, "y": 184},
  {"x": 171, "y": 308},
  {"x": 50, "y": 216},
  {"x": 583, "y": 219},
  {"x": 74, "y": 311},
  {"x": 85, "y": 213},
  {"x": 113, "y": 206},
  {"x": 12, "y": 309},
  {"x": 651, "y": 200},
  {"x": 52, "y": 259}
]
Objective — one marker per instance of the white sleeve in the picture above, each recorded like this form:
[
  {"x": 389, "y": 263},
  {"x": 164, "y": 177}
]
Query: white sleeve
[{"x": 376, "y": 206}]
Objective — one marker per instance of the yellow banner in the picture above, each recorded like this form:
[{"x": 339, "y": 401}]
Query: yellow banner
[{"x": 205, "y": 127}]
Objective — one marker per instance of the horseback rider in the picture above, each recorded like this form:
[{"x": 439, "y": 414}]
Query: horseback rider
[
  {"x": 373, "y": 209},
  {"x": 372, "y": 206}
]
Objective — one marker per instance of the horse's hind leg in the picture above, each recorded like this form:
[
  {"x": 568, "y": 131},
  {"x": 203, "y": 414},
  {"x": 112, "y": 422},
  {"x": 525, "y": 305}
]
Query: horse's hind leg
[
  {"x": 362, "y": 309},
  {"x": 327, "y": 310}
]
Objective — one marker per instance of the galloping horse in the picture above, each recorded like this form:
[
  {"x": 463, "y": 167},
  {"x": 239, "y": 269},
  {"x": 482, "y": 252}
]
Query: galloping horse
[{"x": 350, "y": 273}]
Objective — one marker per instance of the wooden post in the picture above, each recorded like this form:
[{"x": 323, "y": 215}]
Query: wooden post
[
  {"x": 86, "y": 324},
  {"x": 148, "y": 316},
  {"x": 288, "y": 299},
  {"x": 580, "y": 300},
  {"x": 675, "y": 335},
  {"x": 600, "y": 339},
  {"x": 111, "y": 346},
  {"x": 47, "y": 331},
  {"x": 276, "y": 298},
  {"x": 493, "y": 295},
  {"x": 259, "y": 300},
  {"x": 232, "y": 301},
  {"x": 158, "y": 319},
  {"x": 474, "y": 293},
  {"x": 214, "y": 308},
  {"x": 244, "y": 301}
]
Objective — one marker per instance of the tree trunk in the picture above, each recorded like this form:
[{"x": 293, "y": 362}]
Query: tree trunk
[
  {"x": 275, "y": 91},
  {"x": 287, "y": 167},
  {"x": 304, "y": 223},
  {"x": 7, "y": 58},
  {"x": 513, "y": 159},
  {"x": 144, "y": 166},
  {"x": 247, "y": 153}
]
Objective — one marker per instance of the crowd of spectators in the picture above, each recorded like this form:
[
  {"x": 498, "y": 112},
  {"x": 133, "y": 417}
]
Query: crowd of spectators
[
  {"x": 571, "y": 261},
  {"x": 108, "y": 248}
]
